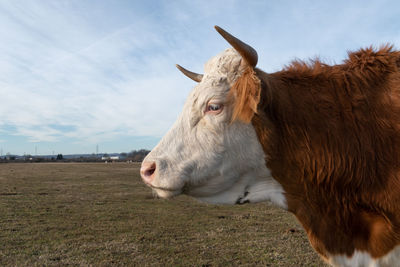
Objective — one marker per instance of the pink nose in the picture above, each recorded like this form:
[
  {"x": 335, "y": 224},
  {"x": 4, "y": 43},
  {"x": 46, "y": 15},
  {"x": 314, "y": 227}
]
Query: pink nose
[{"x": 147, "y": 171}]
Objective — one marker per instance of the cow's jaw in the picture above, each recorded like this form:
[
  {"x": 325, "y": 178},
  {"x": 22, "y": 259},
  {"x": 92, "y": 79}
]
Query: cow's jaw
[{"x": 252, "y": 187}]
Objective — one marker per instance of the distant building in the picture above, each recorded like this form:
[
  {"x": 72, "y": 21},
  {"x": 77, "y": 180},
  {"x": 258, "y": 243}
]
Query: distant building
[{"x": 110, "y": 158}]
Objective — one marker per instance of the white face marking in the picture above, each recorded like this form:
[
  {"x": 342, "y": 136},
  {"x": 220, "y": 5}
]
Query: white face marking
[
  {"x": 206, "y": 156},
  {"x": 363, "y": 259}
]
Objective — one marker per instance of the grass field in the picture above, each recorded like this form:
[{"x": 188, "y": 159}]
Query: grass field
[{"x": 102, "y": 214}]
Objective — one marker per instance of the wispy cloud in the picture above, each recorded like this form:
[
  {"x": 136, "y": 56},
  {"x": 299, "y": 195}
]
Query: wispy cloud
[
  {"x": 90, "y": 72},
  {"x": 103, "y": 85}
]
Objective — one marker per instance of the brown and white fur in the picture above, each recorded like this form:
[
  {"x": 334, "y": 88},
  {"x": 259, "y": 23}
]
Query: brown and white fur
[{"x": 320, "y": 141}]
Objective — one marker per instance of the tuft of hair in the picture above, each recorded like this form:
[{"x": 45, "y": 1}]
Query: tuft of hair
[{"x": 246, "y": 95}]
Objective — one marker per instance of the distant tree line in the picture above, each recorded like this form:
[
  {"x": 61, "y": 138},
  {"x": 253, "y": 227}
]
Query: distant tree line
[
  {"x": 134, "y": 156},
  {"x": 138, "y": 155}
]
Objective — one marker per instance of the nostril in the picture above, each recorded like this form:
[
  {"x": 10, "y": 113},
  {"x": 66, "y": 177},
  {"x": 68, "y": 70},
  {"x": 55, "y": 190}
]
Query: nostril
[
  {"x": 147, "y": 171},
  {"x": 150, "y": 170}
]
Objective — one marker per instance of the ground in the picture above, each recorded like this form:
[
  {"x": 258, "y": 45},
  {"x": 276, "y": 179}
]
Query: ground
[{"x": 102, "y": 214}]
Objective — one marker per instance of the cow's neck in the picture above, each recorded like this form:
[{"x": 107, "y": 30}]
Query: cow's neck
[
  {"x": 340, "y": 214},
  {"x": 336, "y": 222}
]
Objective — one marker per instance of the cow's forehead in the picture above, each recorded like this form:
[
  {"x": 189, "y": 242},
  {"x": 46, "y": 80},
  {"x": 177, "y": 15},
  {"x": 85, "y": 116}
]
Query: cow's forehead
[
  {"x": 220, "y": 72},
  {"x": 224, "y": 65}
]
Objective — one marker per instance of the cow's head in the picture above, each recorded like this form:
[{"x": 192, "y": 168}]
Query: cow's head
[{"x": 212, "y": 151}]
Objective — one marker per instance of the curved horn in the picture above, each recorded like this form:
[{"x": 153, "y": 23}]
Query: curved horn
[
  {"x": 246, "y": 51},
  {"x": 192, "y": 75}
]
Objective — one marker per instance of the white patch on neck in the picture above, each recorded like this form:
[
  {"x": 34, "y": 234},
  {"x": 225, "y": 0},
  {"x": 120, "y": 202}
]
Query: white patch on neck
[
  {"x": 363, "y": 259},
  {"x": 261, "y": 189},
  {"x": 251, "y": 188}
]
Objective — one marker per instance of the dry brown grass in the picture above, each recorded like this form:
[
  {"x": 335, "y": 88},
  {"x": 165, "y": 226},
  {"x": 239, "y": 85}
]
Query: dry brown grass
[{"x": 102, "y": 215}]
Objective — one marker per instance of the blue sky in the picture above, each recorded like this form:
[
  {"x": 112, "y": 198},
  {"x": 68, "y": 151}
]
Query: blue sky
[{"x": 74, "y": 74}]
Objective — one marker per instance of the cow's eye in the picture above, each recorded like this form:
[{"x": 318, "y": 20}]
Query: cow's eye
[{"x": 214, "y": 108}]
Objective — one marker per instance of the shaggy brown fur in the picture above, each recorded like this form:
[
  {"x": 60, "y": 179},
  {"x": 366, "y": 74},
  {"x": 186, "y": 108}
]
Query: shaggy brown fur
[
  {"x": 332, "y": 139},
  {"x": 246, "y": 94}
]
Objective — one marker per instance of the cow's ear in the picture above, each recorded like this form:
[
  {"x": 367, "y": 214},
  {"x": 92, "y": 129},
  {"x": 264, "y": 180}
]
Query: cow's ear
[{"x": 245, "y": 95}]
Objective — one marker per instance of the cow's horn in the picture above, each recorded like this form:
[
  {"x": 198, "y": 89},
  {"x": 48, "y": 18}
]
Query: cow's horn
[
  {"x": 246, "y": 51},
  {"x": 192, "y": 75}
]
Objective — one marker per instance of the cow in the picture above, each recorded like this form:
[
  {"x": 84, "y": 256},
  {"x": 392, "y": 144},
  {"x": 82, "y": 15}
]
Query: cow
[{"x": 320, "y": 141}]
